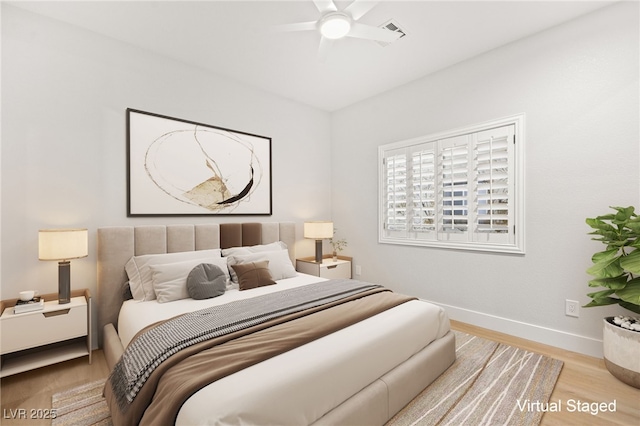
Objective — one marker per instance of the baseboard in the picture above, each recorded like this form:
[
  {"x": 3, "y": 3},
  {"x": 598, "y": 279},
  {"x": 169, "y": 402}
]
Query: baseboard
[{"x": 536, "y": 333}]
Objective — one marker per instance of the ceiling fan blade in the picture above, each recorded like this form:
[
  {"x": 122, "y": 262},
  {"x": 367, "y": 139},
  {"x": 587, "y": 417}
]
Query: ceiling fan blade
[
  {"x": 373, "y": 33},
  {"x": 297, "y": 26},
  {"x": 325, "y": 6},
  {"x": 359, "y": 8},
  {"x": 323, "y": 50}
]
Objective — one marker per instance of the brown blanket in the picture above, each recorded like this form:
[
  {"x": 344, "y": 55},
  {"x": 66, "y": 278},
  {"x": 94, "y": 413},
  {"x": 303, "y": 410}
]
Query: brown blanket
[{"x": 176, "y": 379}]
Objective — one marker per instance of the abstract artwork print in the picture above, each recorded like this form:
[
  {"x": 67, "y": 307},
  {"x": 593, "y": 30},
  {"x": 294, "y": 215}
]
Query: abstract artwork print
[{"x": 180, "y": 167}]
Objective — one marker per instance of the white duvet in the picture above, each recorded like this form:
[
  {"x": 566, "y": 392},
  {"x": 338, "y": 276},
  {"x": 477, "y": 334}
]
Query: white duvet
[{"x": 300, "y": 386}]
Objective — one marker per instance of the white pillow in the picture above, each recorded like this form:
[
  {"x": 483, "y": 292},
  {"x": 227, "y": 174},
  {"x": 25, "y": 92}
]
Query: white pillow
[
  {"x": 170, "y": 279},
  {"x": 139, "y": 272},
  {"x": 280, "y": 265},
  {"x": 278, "y": 245}
]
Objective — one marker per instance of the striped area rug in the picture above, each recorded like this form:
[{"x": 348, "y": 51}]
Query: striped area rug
[
  {"x": 482, "y": 387},
  {"x": 489, "y": 384},
  {"x": 81, "y": 406}
]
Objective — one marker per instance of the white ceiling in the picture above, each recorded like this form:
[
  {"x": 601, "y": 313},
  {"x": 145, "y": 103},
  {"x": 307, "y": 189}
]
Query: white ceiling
[{"x": 233, "y": 39}]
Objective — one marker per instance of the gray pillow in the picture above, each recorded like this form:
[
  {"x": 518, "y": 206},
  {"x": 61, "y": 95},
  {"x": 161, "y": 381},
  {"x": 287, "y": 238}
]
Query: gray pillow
[{"x": 206, "y": 281}]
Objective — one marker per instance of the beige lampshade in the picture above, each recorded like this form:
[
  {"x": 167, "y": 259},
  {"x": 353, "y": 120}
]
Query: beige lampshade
[
  {"x": 62, "y": 244},
  {"x": 318, "y": 230}
]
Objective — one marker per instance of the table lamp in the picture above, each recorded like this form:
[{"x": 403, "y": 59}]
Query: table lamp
[
  {"x": 318, "y": 231},
  {"x": 63, "y": 245}
]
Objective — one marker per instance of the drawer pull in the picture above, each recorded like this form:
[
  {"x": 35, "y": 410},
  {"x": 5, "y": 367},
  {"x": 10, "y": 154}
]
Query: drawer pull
[
  {"x": 56, "y": 313},
  {"x": 332, "y": 267}
]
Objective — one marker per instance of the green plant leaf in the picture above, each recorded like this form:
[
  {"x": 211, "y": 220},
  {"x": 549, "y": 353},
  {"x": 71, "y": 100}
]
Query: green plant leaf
[
  {"x": 617, "y": 244},
  {"x": 634, "y": 226},
  {"x": 630, "y": 306},
  {"x": 601, "y": 302},
  {"x": 601, "y": 294},
  {"x": 631, "y": 262},
  {"x": 631, "y": 292},
  {"x": 604, "y": 255},
  {"x": 609, "y": 216},
  {"x": 614, "y": 283},
  {"x": 621, "y": 218},
  {"x": 606, "y": 236},
  {"x": 608, "y": 268},
  {"x": 624, "y": 212},
  {"x": 600, "y": 226}
]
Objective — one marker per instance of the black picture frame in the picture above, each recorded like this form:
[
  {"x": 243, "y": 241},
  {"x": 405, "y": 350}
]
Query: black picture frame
[{"x": 178, "y": 167}]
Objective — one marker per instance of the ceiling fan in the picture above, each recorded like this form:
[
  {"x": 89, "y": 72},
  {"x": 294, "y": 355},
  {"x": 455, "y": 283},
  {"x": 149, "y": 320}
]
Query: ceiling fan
[{"x": 335, "y": 24}]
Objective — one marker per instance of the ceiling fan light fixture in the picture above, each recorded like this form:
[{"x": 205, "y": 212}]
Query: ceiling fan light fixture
[{"x": 335, "y": 25}]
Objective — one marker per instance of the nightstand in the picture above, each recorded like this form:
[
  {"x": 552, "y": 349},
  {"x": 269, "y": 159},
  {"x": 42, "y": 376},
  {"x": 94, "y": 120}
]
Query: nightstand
[
  {"x": 55, "y": 334},
  {"x": 329, "y": 268}
]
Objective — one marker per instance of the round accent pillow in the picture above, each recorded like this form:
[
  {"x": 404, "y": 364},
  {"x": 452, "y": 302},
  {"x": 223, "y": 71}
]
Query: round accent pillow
[{"x": 206, "y": 281}]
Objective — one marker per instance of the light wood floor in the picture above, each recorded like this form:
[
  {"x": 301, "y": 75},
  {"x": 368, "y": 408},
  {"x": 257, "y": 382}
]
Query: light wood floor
[
  {"x": 582, "y": 378},
  {"x": 33, "y": 389}
]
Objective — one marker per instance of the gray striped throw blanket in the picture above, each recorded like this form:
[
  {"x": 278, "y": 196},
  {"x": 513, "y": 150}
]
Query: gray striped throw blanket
[{"x": 153, "y": 346}]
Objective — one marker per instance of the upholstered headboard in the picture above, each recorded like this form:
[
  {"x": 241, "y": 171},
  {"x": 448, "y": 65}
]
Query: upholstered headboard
[{"x": 116, "y": 245}]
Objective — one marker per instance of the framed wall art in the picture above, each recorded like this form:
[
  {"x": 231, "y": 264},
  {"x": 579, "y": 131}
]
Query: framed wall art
[{"x": 180, "y": 167}]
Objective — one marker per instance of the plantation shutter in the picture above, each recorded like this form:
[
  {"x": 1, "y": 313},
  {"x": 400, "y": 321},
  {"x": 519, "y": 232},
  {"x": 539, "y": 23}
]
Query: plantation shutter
[
  {"x": 396, "y": 175},
  {"x": 493, "y": 157},
  {"x": 453, "y": 174},
  {"x": 423, "y": 193}
]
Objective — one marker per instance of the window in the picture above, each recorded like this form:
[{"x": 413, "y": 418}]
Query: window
[{"x": 461, "y": 189}]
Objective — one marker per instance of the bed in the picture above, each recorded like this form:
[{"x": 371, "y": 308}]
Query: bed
[{"x": 361, "y": 374}]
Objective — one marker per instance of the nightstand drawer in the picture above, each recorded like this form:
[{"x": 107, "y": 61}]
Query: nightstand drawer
[
  {"x": 55, "y": 323},
  {"x": 329, "y": 268},
  {"x": 335, "y": 270}
]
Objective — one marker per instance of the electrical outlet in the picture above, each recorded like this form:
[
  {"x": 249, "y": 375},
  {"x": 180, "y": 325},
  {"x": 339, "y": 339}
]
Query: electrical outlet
[
  {"x": 358, "y": 270},
  {"x": 571, "y": 308}
]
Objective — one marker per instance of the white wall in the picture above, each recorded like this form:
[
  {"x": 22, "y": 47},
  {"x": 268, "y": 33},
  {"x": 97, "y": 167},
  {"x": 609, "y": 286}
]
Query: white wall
[
  {"x": 64, "y": 96},
  {"x": 578, "y": 86}
]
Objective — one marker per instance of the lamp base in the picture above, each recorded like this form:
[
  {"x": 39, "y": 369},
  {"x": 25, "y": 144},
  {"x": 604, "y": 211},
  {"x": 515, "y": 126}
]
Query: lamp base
[
  {"x": 318, "y": 251},
  {"x": 64, "y": 282}
]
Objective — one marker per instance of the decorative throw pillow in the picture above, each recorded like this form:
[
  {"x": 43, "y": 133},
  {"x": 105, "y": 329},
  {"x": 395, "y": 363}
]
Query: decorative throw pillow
[
  {"x": 206, "y": 281},
  {"x": 140, "y": 274},
  {"x": 253, "y": 274},
  {"x": 280, "y": 266},
  {"x": 170, "y": 279}
]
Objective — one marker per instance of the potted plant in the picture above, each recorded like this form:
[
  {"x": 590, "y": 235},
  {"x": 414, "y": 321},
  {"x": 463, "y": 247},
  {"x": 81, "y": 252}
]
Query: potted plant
[
  {"x": 338, "y": 245},
  {"x": 617, "y": 270}
]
